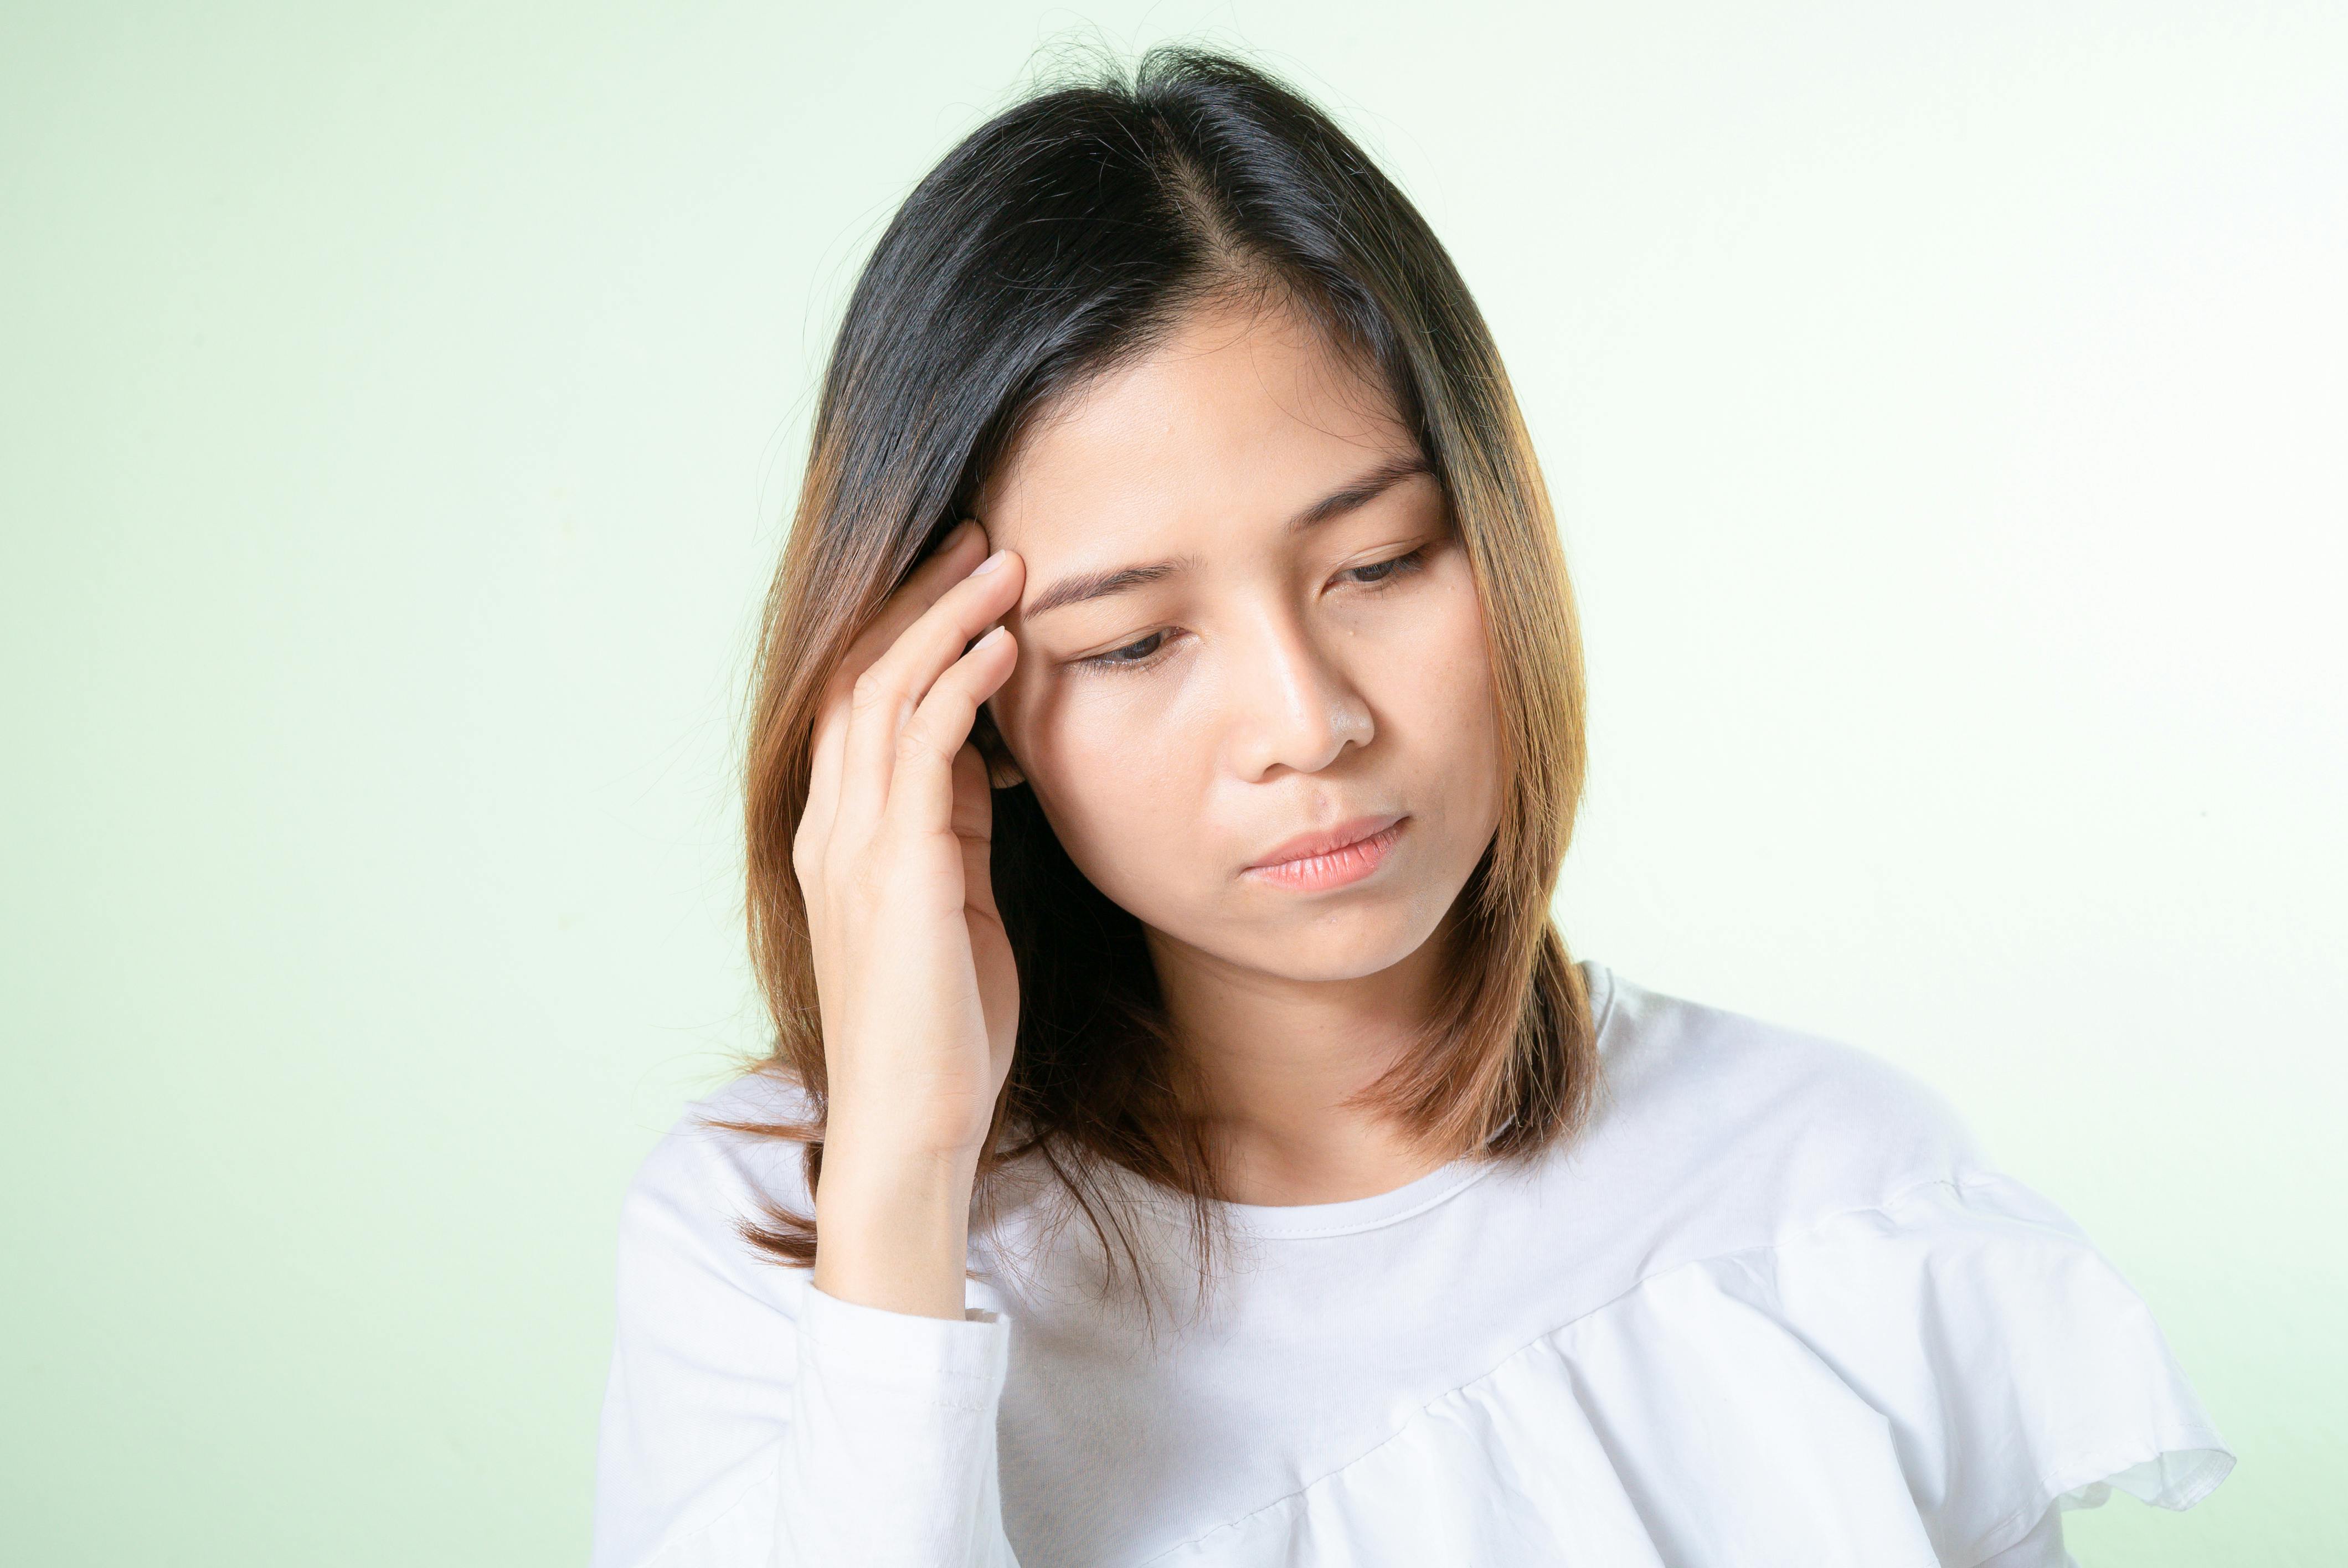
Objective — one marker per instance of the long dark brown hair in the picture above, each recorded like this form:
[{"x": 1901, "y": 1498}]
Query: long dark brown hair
[{"x": 1063, "y": 238}]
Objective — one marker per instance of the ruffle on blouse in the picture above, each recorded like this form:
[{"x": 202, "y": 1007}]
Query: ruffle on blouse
[{"x": 1911, "y": 1384}]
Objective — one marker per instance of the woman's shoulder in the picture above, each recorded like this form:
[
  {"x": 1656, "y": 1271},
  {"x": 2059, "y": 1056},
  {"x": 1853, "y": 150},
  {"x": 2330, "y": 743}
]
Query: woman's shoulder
[
  {"x": 1774, "y": 1126},
  {"x": 1724, "y": 1132},
  {"x": 714, "y": 1169},
  {"x": 705, "y": 1336}
]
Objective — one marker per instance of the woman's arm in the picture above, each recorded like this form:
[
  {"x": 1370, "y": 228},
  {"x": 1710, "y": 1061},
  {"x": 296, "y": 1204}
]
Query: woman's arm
[
  {"x": 887, "y": 1337},
  {"x": 871, "y": 1441},
  {"x": 752, "y": 1419},
  {"x": 892, "y": 1226},
  {"x": 890, "y": 1455}
]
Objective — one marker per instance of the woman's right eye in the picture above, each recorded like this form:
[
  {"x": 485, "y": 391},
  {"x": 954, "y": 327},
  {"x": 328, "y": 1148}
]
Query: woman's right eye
[{"x": 1133, "y": 655}]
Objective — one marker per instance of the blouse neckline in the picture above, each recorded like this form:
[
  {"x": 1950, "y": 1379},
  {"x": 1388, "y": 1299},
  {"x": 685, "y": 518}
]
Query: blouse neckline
[{"x": 1350, "y": 1216}]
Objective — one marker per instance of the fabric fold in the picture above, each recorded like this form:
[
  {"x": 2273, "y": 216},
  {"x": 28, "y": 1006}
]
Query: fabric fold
[
  {"x": 2019, "y": 1370},
  {"x": 888, "y": 1457},
  {"x": 1911, "y": 1385}
]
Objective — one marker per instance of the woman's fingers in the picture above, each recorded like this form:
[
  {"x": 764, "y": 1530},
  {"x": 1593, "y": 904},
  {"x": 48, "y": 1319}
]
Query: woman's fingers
[
  {"x": 950, "y": 563},
  {"x": 885, "y": 697},
  {"x": 922, "y": 787}
]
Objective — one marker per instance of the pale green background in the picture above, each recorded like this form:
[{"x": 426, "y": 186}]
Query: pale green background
[{"x": 399, "y": 407}]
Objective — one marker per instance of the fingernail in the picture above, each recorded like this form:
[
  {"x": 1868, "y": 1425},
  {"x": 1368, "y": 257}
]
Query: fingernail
[
  {"x": 989, "y": 564},
  {"x": 993, "y": 637}
]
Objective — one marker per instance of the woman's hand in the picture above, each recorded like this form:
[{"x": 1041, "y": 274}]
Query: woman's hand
[{"x": 913, "y": 973}]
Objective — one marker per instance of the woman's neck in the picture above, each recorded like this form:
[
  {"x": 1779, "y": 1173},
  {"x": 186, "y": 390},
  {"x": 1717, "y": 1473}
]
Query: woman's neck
[{"x": 1277, "y": 1059}]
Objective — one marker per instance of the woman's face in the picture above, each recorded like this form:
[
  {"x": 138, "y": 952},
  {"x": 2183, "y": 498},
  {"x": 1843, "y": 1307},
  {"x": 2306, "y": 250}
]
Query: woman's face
[{"x": 1246, "y": 621}]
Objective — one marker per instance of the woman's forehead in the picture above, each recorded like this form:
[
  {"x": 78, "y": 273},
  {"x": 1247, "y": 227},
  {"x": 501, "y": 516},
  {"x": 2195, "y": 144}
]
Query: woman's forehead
[{"x": 1235, "y": 418}]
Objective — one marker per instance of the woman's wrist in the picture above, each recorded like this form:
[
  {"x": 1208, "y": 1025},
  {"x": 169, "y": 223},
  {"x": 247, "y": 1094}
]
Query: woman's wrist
[{"x": 892, "y": 1231}]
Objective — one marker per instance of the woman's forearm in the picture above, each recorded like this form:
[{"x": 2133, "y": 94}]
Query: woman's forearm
[{"x": 892, "y": 1226}]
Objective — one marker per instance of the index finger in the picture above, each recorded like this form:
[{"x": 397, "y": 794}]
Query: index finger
[{"x": 947, "y": 565}]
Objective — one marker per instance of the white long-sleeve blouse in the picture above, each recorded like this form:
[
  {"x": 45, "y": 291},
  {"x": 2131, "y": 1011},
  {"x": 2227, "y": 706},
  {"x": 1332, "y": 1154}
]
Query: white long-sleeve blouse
[{"x": 1774, "y": 1307}]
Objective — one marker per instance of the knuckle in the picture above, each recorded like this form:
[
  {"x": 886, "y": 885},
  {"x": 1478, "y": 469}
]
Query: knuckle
[
  {"x": 870, "y": 689},
  {"x": 913, "y": 743}
]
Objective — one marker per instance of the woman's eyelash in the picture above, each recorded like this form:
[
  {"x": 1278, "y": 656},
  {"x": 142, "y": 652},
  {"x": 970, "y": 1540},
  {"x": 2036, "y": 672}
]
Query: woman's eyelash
[
  {"x": 1401, "y": 566},
  {"x": 1109, "y": 660},
  {"x": 1393, "y": 567}
]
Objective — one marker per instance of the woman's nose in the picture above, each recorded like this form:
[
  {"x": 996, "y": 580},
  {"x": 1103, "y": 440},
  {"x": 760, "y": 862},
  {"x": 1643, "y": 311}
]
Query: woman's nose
[{"x": 1292, "y": 702}]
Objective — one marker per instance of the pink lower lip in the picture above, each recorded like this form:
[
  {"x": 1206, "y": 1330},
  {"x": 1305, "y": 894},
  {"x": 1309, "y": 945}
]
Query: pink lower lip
[{"x": 1334, "y": 869}]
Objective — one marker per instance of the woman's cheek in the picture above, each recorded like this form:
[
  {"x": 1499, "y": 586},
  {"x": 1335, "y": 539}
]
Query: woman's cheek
[
  {"x": 1095, "y": 773},
  {"x": 1446, "y": 638},
  {"x": 1452, "y": 694}
]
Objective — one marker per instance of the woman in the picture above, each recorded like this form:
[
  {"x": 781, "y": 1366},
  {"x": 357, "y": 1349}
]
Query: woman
[{"x": 1169, "y": 732}]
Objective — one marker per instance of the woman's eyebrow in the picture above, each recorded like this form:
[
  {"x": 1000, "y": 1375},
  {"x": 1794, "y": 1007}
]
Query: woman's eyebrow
[{"x": 1353, "y": 494}]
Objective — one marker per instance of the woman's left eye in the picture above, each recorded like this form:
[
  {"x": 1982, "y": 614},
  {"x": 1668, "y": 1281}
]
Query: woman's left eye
[
  {"x": 1385, "y": 572},
  {"x": 1374, "y": 577}
]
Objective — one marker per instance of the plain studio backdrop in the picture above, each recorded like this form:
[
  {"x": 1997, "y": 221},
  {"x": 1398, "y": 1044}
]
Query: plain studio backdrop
[{"x": 399, "y": 410}]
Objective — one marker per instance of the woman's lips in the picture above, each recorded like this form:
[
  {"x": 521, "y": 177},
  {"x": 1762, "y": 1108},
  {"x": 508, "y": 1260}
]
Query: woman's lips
[{"x": 1348, "y": 862}]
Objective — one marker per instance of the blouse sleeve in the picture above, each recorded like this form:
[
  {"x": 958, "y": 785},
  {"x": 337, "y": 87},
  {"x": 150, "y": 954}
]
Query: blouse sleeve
[
  {"x": 2041, "y": 1548},
  {"x": 752, "y": 1421},
  {"x": 2020, "y": 1375}
]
